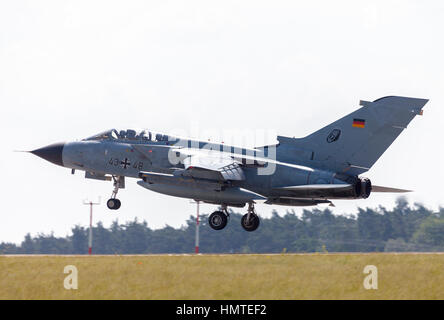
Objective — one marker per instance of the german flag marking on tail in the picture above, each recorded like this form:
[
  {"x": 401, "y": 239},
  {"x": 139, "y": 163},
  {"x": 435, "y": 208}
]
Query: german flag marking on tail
[{"x": 358, "y": 123}]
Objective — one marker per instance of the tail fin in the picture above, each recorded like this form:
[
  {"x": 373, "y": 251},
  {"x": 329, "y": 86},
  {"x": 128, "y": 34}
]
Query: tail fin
[{"x": 355, "y": 142}]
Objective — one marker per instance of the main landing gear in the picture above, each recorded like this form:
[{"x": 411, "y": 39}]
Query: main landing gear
[
  {"x": 113, "y": 203},
  {"x": 219, "y": 219},
  {"x": 250, "y": 221}
]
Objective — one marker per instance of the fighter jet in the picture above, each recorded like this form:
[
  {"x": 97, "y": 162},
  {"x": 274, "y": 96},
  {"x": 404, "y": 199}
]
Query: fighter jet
[{"x": 321, "y": 167}]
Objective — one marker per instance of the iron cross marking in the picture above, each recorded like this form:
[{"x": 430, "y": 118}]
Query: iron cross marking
[{"x": 125, "y": 163}]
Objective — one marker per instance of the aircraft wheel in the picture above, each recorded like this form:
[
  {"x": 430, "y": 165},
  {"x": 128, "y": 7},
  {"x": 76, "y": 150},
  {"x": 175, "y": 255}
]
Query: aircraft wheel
[
  {"x": 113, "y": 204},
  {"x": 217, "y": 220},
  {"x": 251, "y": 225}
]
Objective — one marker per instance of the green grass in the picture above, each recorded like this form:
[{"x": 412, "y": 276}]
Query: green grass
[{"x": 286, "y": 276}]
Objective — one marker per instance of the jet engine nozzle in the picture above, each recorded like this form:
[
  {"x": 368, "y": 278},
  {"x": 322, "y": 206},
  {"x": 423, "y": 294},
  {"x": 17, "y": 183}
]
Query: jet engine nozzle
[{"x": 363, "y": 188}]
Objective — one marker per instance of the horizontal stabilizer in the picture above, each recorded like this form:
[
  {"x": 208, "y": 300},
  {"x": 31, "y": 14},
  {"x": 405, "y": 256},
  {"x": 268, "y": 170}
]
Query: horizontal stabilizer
[
  {"x": 297, "y": 202},
  {"x": 316, "y": 187},
  {"x": 318, "y": 191},
  {"x": 387, "y": 189}
]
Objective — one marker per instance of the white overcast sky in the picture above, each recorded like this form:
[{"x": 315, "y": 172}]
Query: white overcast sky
[{"x": 69, "y": 69}]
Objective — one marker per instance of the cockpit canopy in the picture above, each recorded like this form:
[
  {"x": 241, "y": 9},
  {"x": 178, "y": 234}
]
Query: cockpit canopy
[{"x": 130, "y": 134}]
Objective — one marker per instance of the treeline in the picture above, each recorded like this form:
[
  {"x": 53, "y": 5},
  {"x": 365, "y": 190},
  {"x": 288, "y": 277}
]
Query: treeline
[{"x": 404, "y": 228}]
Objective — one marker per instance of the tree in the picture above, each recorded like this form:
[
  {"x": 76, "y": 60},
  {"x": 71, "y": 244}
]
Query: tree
[
  {"x": 431, "y": 234},
  {"x": 404, "y": 228}
]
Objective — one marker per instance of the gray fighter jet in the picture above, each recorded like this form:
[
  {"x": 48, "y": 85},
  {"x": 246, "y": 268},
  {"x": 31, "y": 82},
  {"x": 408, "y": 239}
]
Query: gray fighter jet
[{"x": 308, "y": 171}]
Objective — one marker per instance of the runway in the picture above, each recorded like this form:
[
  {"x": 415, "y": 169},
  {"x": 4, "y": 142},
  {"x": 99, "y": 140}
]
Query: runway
[{"x": 221, "y": 254}]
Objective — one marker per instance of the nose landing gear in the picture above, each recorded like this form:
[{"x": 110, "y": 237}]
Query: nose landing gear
[{"x": 113, "y": 203}]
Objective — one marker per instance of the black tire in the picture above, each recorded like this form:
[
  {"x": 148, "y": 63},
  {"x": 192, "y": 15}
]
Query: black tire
[
  {"x": 252, "y": 225},
  {"x": 217, "y": 220},
  {"x": 113, "y": 204}
]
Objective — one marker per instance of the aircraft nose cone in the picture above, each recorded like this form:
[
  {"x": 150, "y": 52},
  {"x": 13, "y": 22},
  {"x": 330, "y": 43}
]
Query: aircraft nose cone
[{"x": 52, "y": 153}]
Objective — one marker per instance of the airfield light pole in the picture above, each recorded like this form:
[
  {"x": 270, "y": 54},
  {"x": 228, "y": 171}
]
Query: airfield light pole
[
  {"x": 197, "y": 228},
  {"x": 91, "y": 204}
]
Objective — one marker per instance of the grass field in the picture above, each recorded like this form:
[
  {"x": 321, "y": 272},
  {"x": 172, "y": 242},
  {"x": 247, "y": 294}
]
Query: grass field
[{"x": 286, "y": 276}]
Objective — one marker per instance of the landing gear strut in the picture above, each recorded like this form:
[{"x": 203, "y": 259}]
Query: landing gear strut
[
  {"x": 119, "y": 183},
  {"x": 250, "y": 221},
  {"x": 219, "y": 219}
]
